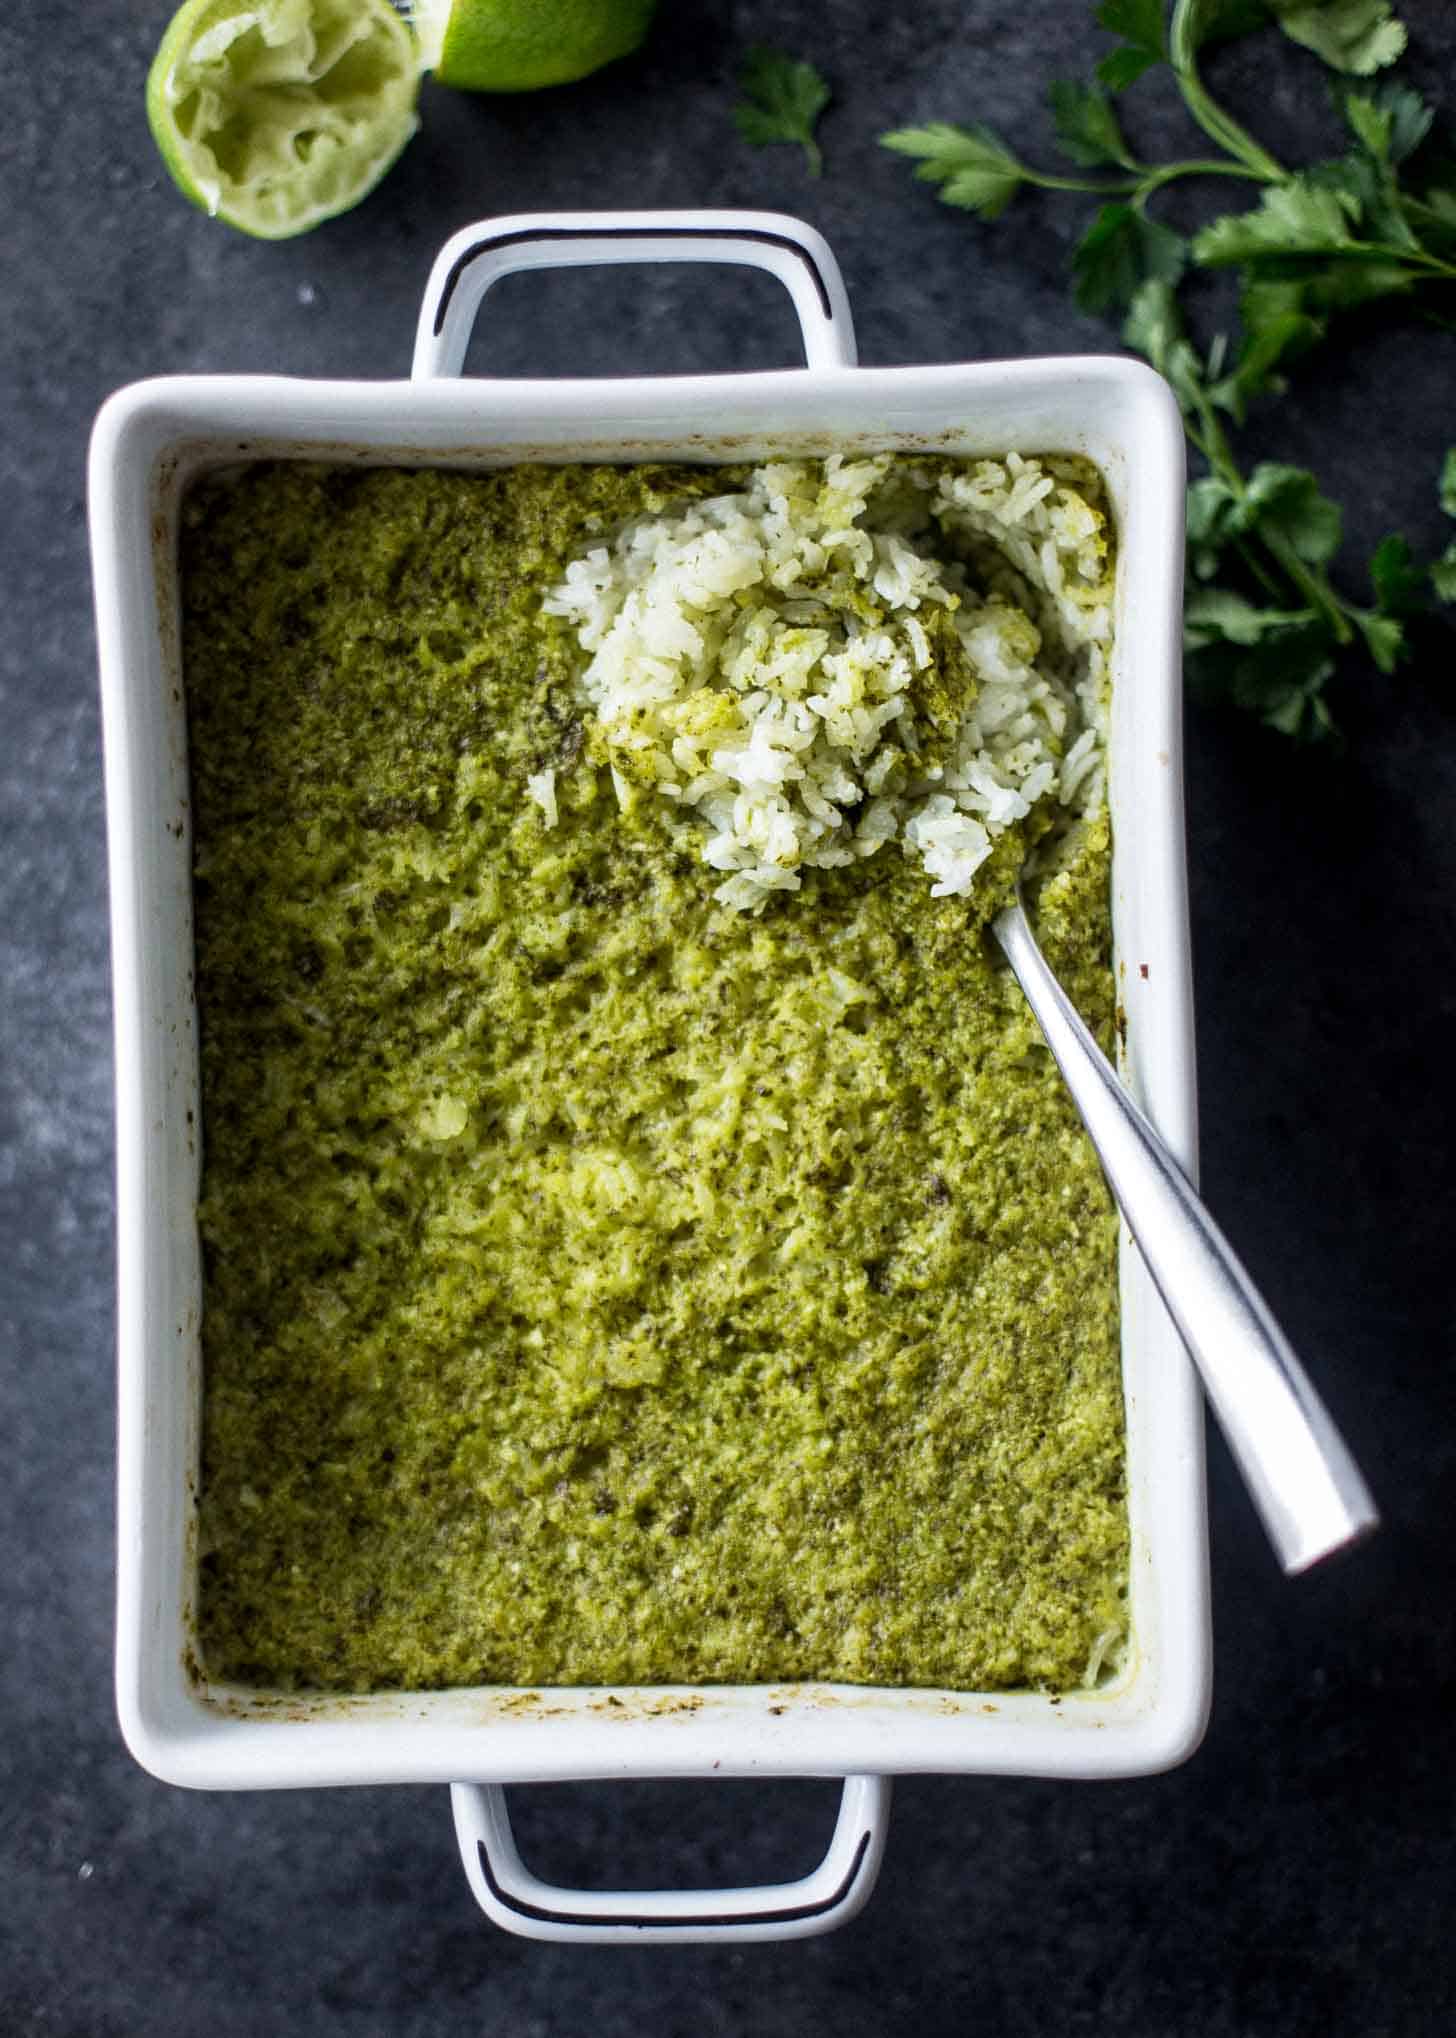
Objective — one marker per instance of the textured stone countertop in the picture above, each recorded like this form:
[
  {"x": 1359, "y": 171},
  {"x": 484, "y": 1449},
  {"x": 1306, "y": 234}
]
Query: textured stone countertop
[{"x": 1296, "y": 1877}]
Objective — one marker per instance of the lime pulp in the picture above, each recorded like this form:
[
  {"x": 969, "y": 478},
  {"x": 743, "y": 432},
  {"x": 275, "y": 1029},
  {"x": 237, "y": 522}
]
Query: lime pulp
[{"x": 276, "y": 114}]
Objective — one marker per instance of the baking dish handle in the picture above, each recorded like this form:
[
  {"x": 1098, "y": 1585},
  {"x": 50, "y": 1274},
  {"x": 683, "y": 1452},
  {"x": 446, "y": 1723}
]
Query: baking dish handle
[
  {"x": 478, "y": 256},
  {"x": 512, "y": 1897}
]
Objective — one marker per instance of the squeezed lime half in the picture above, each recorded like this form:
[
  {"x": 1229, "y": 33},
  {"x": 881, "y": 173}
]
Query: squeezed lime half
[{"x": 276, "y": 114}]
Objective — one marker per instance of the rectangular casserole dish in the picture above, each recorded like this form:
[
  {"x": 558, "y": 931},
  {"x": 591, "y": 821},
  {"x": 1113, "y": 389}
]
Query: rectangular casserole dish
[{"x": 150, "y": 442}]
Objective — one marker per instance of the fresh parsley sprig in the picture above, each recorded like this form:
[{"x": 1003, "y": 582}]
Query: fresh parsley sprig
[
  {"x": 1265, "y": 624},
  {"x": 783, "y": 98},
  {"x": 976, "y": 171}
]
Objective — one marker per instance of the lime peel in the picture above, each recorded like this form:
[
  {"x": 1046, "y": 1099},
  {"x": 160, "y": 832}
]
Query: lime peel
[
  {"x": 277, "y": 114},
  {"x": 524, "y": 45}
]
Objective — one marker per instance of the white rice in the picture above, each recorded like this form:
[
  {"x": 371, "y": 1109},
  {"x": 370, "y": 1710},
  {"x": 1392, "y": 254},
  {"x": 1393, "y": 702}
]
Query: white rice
[
  {"x": 541, "y": 787},
  {"x": 771, "y": 662}
]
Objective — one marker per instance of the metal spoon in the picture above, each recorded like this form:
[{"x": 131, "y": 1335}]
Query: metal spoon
[{"x": 1305, "y": 1484}]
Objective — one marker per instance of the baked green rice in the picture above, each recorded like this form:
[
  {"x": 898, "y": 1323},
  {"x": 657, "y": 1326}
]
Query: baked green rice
[{"x": 604, "y": 1283}]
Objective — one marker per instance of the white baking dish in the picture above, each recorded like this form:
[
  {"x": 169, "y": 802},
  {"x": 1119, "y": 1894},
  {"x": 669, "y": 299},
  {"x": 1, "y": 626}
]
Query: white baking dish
[{"x": 149, "y": 441}]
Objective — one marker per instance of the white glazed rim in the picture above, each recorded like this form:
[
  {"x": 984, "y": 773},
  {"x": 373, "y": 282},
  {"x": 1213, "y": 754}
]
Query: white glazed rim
[{"x": 149, "y": 439}]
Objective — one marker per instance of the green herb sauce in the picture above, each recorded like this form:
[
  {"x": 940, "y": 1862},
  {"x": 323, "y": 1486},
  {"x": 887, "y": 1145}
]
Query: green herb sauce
[{"x": 601, "y": 1286}]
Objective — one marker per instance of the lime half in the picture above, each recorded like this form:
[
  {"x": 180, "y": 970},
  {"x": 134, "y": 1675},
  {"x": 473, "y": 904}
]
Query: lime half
[
  {"x": 524, "y": 45},
  {"x": 276, "y": 114}
]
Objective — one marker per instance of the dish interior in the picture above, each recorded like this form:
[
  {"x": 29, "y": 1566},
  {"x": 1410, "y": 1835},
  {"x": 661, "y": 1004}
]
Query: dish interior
[{"x": 604, "y": 1284}]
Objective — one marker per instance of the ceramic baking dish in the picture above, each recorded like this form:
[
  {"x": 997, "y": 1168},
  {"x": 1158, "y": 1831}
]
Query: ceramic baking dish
[{"x": 150, "y": 441}]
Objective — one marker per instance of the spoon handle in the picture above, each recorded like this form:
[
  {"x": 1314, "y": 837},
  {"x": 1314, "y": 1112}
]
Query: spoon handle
[{"x": 1305, "y": 1484}]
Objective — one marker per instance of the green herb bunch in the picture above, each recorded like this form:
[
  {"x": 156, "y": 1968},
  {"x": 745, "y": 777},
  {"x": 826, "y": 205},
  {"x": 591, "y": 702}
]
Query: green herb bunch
[{"x": 1264, "y": 624}]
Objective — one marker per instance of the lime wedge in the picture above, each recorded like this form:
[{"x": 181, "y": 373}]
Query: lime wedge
[
  {"x": 276, "y": 114},
  {"x": 524, "y": 45}
]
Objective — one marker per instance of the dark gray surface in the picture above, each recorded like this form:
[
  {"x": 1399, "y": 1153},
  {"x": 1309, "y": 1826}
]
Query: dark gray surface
[{"x": 1296, "y": 1877}]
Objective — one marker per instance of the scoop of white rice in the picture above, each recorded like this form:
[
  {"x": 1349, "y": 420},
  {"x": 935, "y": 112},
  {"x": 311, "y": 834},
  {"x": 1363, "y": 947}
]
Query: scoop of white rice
[{"x": 850, "y": 653}]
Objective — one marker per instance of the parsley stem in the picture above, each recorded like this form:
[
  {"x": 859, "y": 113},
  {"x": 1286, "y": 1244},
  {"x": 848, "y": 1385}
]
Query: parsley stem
[
  {"x": 1211, "y": 166},
  {"x": 1249, "y": 554},
  {"x": 1144, "y": 178},
  {"x": 1311, "y": 583},
  {"x": 1410, "y": 258},
  {"x": 1410, "y": 204},
  {"x": 1046, "y": 180},
  {"x": 1209, "y": 437},
  {"x": 1212, "y": 441},
  {"x": 1219, "y": 126}
]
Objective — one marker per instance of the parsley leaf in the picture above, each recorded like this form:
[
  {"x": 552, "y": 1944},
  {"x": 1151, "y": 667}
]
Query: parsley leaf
[
  {"x": 1384, "y": 639},
  {"x": 1411, "y": 118},
  {"x": 1402, "y": 589},
  {"x": 1281, "y": 677},
  {"x": 1154, "y": 328},
  {"x": 1276, "y": 501},
  {"x": 1368, "y": 123},
  {"x": 972, "y": 166},
  {"x": 1140, "y": 23},
  {"x": 1443, "y": 572},
  {"x": 1389, "y": 120},
  {"x": 1367, "y": 188},
  {"x": 1446, "y": 486},
  {"x": 782, "y": 101},
  {"x": 1436, "y": 210},
  {"x": 1212, "y": 507},
  {"x": 1217, "y": 615},
  {"x": 1314, "y": 227},
  {"x": 1120, "y": 251},
  {"x": 1357, "y": 36},
  {"x": 1298, "y": 217},
  {"x": 1087, "y": 127},
  {"x": 1278, "y": 327},
  {"x": 1399, "y": 584},
  {"x": 1287, "y": 501}
]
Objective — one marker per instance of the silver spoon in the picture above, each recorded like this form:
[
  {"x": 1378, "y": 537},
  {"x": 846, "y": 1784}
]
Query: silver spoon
[{"x": 1305, "y": 1484}]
